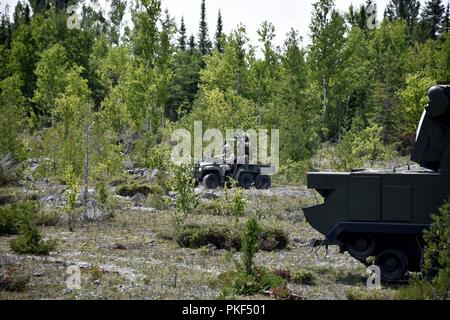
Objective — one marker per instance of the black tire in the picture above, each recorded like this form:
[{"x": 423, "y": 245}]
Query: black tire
[
  {"x": 361, "y": 247},
  {"x": 263, "y": 182},
  {"x": 393, "y": 265},
  {"x": 211, "y": 181},
  {"x": 246, "y": 180}
]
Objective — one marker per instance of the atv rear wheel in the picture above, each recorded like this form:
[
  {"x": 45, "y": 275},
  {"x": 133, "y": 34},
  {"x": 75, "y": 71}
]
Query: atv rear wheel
[
  {"x": 246, "y": 180},
  {"x": 263, "y": 182},
  {"x": 211, "y": 181}
]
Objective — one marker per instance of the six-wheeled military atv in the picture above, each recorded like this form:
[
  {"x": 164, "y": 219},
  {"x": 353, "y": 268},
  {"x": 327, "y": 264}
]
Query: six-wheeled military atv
[
  {"x": 213, "y": 175},
  {"x": 383, "y": 213}
]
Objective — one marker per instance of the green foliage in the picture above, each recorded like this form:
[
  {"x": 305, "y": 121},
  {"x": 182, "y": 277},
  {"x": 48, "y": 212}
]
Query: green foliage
[
  {"x": 356, "y": 147},
  {"x": 197, "y": 236},
  {"x": 237, "y": 202},
  {"x": 223, "y": 237},
  {"x": 30, "y": 242},
  {"x": 436, "y": 283},
  {"x": 13, "y": 217},
  {"x": 21, "y": 218},
  {"x": 250, "y": 242},
  {"x": 12, "y": 117},
  {"x": 72, "y": 192},
  {"x": 106, "y": 200},
  {"x": 303, "y": 276},
  {"x": 293, "y": 172},
  {"x": 186, "y": 199},
  {"x": 412, "y": 100},
  {"x": 241, "y": 283}
]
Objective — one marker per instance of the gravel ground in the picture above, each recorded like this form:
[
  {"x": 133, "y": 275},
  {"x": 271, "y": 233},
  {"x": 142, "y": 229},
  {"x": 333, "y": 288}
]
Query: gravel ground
[{"x": 133, "y": 257}]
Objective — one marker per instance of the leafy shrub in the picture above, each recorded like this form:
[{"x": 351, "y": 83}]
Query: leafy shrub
[
  {"x": 108, "y": 203},
  {"x": 303, "y": 276},
  {"x": 72, "y": 193},
  {"x": 293, "y": 172},
  {"x": 436, "y": 283},
  {"x": 12, "y": 217},
  {"x": 236, "y": 201},
  {"x": 13, "y": 280},
  {"x": 240, "y": 282},
  {"x": 250, "y": 243},
  {"x": 196, "y": 236},
  {"x": 30, "y": 242},
  {"x": 186, "y": 200},
  {"x": 357, "y": 146}
]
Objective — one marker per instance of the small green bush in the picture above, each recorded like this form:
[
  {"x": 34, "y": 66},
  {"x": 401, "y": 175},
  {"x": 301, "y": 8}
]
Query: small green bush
[
  {"x": 250, "y": 243},
  {"x": 435, "y": 285},
  {"x": 30, "y": 242},
  {"x": 13, "y": 280},
  {"x": 293, "y": 172},
  {"x": 303, "y": 276},
  {"x": 259, "y": 281},
  {"x": 12, "y": 217},
  {"x": 196, "y": 236}
]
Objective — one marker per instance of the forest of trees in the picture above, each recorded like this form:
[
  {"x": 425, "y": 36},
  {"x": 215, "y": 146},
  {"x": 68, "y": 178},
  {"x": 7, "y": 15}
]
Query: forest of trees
[{"x": 118, "y": 90}]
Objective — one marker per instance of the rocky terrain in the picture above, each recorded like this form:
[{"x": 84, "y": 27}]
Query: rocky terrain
[{"x": 133, "y": 254}]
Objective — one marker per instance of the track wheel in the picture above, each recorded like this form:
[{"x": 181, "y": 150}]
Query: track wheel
[
  {"x": 393, "y": 264},
  {"x": 361, "y": 247}
]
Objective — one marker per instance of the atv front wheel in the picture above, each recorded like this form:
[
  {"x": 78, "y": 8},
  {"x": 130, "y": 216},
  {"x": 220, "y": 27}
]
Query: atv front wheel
[{"x": 211, "y": 181}]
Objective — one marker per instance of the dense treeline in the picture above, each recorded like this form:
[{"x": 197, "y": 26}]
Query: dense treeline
[{"x": 110, "y": 93}]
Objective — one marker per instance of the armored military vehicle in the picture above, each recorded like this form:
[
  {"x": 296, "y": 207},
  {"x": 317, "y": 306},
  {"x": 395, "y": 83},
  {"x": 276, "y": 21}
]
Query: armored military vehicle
[{"x": 383, "y": 213}]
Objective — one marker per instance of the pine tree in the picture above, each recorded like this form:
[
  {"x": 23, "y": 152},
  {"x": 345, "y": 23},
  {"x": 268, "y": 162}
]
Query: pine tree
[
  {"x": 407, "y": 10},
  {"x": 446, "y": 24},
  {"x": 204, "y": 43},
  {"x": 433, "y": 18},
  {"x": 192, "y": 44},
  {"x": 219, "y": 34},
  {"x": 182, "y": 38},
  {"x": 116, "y": 15}
]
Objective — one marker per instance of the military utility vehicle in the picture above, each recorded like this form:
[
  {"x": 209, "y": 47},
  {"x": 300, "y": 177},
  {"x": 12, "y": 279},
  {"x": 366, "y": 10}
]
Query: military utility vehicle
[
  {"x": 212, "y": 175},
  {"x": 383, "y": 213}
]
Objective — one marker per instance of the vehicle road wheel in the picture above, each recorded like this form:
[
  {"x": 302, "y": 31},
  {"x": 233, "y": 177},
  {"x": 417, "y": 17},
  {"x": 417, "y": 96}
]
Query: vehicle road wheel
[
  {"x": 246, "y": 180},
  {"x": 361, "y": 247},
  {"x": 263, "y": 182},
  {"x": 393, "y": 265},
  {"x": 211, "y": 181}
]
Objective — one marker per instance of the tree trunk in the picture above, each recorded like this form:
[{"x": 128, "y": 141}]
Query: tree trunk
[{"x": 86, "y": 169}]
